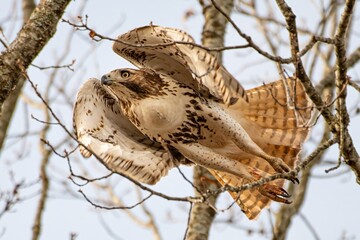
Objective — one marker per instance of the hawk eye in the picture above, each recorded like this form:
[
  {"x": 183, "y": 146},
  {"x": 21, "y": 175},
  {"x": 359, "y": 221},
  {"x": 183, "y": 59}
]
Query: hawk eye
[{"x": 124, "y": 74}]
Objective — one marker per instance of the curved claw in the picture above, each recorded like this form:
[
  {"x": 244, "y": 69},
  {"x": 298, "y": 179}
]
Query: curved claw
[
  {"x": 281, "y": 167},
  {"x": 293, "y": 179},
  {"x": 275, "y": 193}
]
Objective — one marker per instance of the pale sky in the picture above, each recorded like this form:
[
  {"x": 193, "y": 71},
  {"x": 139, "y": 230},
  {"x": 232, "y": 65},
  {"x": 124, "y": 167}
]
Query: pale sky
[{"x": 331, "y": 204}]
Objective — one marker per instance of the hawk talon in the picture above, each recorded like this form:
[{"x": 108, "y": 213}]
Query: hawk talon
[
  {"x": 284, "y": 193},
  {"x": 280, "y": 167},
  {"x": 293, "y": 179},
  {"x": 275, "y": 193}
]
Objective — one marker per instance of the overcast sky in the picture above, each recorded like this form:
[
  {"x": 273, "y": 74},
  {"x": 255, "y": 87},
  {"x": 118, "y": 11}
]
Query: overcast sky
[{"x": 331, "y": 205}]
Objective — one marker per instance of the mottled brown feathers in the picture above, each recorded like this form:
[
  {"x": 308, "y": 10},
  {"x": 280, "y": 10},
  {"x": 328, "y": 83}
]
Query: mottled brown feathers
[{"x": 183, "y": 106}]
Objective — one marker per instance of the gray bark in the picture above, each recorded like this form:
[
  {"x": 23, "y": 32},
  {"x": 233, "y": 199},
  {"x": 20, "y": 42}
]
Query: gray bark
[
  {"x": 202, "y": 215},
  {"x": 9, "y": 105},
  {"x": 30, "y": 40}
]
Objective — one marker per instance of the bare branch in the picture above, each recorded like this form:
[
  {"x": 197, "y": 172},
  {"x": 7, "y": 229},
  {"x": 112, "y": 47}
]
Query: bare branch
[
  {"x": 46, "y": 153},
  {"x": 346, "y": 146},
  {"x": 31, "y": 39},
  {"x": 151, "y": 223},
  {"x": 94, "y": 35},
  {"x": 202, "y": 215},
  {"x": 10, "y": 198},
  {"x": 86, "y": 180},
  {"x": 114, "y": 207},
  {"x": 351, "y": 156},
  {"x": 248, "y": 38},
  {"x": 311, "y": 228},
  {"x": 9, "y": 105},
  {"x": 351, "y": 61},
  {"x": 68, "y": 66},
  {"x": 188, "y": 221},
  {"x": 354, "y": 85}
]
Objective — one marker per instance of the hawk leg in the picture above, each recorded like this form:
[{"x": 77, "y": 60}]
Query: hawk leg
[
  {"x": 207, "y": 158},
  {"x": 231, "y": 128}
]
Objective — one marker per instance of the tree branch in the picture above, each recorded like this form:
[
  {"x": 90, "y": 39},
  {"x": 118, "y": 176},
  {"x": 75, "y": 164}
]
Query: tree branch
[
  {"x": 351, "y": 156},
  {"x": 28, "y": 44},
  {"x": 45, "y": 183},
  {"x": 346, "y": 145},
  {"x": 202, "y": 215},
  {"x": 8, "y": 108}
]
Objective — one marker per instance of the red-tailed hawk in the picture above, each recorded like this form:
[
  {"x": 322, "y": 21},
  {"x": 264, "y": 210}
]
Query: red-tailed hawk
[{"x": 183, "y": 106}]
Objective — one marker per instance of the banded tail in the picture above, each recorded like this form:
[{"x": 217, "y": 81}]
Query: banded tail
[{"x": 277, "y": 119}]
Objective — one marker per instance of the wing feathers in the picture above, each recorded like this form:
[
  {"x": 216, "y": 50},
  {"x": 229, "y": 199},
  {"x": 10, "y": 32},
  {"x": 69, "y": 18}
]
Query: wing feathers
[
  {"x": 156, "y": 49},
  {"x": 101, "y": 127},
  {"x": 275, "y": 116}
]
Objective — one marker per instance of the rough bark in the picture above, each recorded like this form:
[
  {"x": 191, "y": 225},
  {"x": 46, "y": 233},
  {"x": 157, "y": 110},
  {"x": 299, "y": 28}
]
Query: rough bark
[
  {"x": 9, "y": 105},
  {"x": 202, "y": 215},
  {"x": 346, "y": 146},
  {"x": 45, "y": 186},
  {"x": 30, "y": 40},
  {"x": 213, "y": 32}
]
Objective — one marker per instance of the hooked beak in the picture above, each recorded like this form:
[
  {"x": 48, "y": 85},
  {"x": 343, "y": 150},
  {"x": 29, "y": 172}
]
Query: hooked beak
[{"x": 105, "y": 80}]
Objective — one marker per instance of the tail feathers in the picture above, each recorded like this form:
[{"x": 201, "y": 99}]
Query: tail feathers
[
  {"x": 293, "y": 137},
  {"x": 253, "y": 200},
  {"x": 287, "y": 153},
  {"x": 277, "y": 118},
  {"x": 283, "y": 111},
  {"x": 277, "y": 113},
  {"x": 280, "y": 104}
]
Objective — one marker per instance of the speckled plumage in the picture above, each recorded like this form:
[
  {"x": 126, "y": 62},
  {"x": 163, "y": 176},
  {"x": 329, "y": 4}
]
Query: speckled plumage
[{"x": 182, "y": 105}]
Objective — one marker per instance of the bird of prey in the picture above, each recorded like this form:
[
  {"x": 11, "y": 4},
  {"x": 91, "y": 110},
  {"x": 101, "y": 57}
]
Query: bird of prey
[{"x": 182, "y": 106}]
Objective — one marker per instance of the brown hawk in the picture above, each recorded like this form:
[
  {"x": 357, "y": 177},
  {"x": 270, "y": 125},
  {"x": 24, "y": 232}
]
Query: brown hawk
[{"x": 183, "y": 106}]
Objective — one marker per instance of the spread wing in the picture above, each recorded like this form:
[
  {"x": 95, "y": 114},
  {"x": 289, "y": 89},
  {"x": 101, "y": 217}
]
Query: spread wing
[
  {"x": 100, "y": 126},
  {"x": 173, "y": 52}
]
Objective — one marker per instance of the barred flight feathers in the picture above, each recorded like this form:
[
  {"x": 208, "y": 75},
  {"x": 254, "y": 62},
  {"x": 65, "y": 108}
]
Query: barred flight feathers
[
  {"x": 183, "y": 106},
  {"x": 100, "y": 125}
]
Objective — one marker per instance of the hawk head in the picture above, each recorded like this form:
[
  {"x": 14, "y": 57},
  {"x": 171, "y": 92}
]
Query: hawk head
[{"x": 132, "y": 83}]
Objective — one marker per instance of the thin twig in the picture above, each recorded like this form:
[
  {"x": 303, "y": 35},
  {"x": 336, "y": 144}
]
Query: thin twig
[
  {"x": 115, "y": 207},
  {"x": 187, "y": 180},
  {"x": 188, "y": 221},
  {"x": 99, "y": 37},
  {"x": 87, "y": 180},
  {"x": 354, "y": 85},
  {"x": 310, "y": 227},
  {"x": 68, "y": 66}
]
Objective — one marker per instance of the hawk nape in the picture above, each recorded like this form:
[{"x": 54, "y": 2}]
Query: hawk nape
[{"x": 182, "y": 105}]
